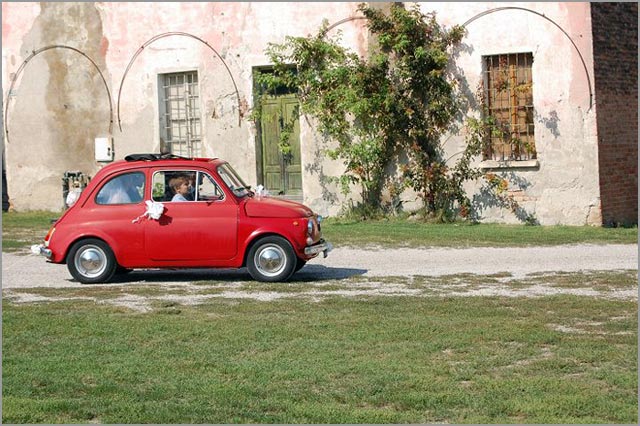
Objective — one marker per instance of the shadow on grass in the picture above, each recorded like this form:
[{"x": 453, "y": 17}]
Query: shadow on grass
[{"x": 310, "y": 273}]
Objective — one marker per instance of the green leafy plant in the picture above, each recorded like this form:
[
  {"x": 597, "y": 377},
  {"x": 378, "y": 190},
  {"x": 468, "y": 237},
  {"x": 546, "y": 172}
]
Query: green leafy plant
[
  {"x": 396, "y": 99},
  {"x": 158, "y": 190},
  {"x": 400, "y": 99}
]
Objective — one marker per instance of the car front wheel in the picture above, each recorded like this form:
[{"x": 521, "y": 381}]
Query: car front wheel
[
  {"x": 300, "y": 263},
  {"x": 271, "y": 259},
  {"x": 91, "y": 261}
]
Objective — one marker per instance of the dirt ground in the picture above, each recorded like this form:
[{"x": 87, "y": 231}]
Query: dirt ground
[
  {"x": 348, "y": 272},
  {"x": 27, "y": 270}
]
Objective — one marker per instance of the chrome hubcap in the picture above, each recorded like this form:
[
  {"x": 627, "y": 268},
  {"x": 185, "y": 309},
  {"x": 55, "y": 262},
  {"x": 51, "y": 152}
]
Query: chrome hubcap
[
  {"x": 90, "y": 261},
  {"x": 270, "y": 260}
]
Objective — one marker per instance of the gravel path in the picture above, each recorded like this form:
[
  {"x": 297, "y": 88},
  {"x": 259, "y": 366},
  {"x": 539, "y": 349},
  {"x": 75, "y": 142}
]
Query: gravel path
[{"x": 26, "y": 270}]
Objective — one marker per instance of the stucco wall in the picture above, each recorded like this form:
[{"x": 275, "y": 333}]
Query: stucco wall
[
  {"x": 563, "y": 188},
  {"x": 60, "y": 105},
  {"x": 60, "y": 102}
]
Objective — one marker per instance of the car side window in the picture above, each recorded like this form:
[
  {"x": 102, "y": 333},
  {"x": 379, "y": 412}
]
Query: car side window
[
  {"x": 208, "y": 190},
  {"x": 127, "y": 188},
  {"x": 184, "y": 185}
]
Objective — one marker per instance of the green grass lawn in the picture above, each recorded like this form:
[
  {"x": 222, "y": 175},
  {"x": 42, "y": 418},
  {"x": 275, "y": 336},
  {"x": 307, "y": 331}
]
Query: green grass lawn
[
  {"x": 425, "y": 357},
  {"x": 21, "y": 230},
  {"x": 332, "y": 359},
  {"x": 416, "y": 234}
]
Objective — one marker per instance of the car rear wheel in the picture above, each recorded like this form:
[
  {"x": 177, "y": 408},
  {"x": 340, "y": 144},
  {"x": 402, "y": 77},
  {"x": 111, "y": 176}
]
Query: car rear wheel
[
  {"x": 91, "y": 261},
  {"x": 271, "y": 259}
]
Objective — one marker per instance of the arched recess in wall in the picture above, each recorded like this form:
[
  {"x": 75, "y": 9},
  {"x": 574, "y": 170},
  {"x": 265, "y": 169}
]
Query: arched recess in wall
[
  {"x": 502, "y": 9},
  {"x": 33, "y": 55},
  {"x": 180, "y": 34},
  {"x": 342, "y": 21}
]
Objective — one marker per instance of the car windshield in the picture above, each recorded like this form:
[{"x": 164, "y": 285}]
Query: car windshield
[{"x": 233, "y": 181}]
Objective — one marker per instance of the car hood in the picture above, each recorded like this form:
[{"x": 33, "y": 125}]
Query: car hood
[{"x": 275, "y": 207}]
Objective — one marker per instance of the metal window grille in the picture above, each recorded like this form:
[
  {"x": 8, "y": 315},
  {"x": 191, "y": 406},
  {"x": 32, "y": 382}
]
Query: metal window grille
[
  {"x": 181, "y": 122},
  {"x": 509, "y": 104}
]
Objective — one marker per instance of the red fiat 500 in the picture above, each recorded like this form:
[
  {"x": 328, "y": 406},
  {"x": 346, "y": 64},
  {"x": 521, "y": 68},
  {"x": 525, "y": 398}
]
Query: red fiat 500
[{"x": 158, "y": 211}]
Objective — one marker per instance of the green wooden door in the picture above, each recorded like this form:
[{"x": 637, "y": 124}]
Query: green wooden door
[{"x": 282, "y": 174}]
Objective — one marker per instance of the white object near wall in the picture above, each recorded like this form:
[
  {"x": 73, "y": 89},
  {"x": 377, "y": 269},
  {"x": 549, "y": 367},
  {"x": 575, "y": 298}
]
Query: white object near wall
[{"x": 104, "y": 149}]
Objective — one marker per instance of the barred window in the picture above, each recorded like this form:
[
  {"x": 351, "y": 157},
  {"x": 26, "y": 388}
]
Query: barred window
[
  {"x": 180, "y": 130},
  {"x": 509, "y": 105}
]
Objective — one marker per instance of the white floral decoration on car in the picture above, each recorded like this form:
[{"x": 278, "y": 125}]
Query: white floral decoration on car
[
  {"x": 154, "y": 211},
  {"x": 261, "y": 191}
]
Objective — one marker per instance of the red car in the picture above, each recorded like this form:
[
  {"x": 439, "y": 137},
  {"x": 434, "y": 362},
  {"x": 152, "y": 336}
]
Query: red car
[{"x": 163, "y": 211}]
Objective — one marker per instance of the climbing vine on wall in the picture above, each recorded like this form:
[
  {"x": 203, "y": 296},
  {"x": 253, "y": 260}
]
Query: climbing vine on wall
[{"x": 401, "y": 98}]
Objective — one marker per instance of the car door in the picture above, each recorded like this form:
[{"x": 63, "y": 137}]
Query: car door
[
  {"x": 200, "y": 230},
  {"x": 117, "y": 202}
]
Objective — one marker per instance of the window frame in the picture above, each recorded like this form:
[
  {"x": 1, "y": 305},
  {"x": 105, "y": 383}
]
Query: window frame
[
  {"x": 512, "y": 68},
  {"x": 183, "y": 172},
  {"x": 189, "y": 111},
  {"x": 112, "y": 179}
]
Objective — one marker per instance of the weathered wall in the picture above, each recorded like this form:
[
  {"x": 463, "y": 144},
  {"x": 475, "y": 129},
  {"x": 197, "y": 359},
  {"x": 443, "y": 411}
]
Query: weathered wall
[
  {"x": 563, "y": 187},
  {"x": 615, "y": 46},
  {"x": 60, "y": 105}
]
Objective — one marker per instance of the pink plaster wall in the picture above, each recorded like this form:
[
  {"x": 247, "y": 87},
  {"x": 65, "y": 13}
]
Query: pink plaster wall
[
  {"x": 17, "y": 18},
  {"x": 240, "y": 33},
  {"x": 563, "y": 188}
]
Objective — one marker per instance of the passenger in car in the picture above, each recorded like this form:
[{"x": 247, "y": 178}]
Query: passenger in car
[
  {"x": 191, "y": 195},
  {"x": 180, "y": 186},
  {"x": 124, "y": 189},
  {"x": 119, "y": 196}
]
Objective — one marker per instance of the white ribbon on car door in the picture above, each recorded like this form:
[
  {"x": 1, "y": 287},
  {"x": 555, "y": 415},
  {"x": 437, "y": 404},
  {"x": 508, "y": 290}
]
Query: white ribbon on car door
[{"x": 154, "y": 211}]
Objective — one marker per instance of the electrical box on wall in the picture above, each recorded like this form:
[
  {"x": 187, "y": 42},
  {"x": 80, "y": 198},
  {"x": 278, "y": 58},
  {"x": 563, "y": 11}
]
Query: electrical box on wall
[{"x": 104, "y": 149}]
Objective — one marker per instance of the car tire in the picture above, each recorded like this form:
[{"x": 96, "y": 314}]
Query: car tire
[
  {"x": 271, "y": 259},
  {"x": 121, "y": 270},
  {"x": 91, "y": 261},
  {"x": 299, "y": 264}
]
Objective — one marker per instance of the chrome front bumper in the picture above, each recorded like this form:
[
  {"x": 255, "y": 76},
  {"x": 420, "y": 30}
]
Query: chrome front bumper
[
  {"x": 42, "y": 250},
  {"x": 321, "y": 246}
]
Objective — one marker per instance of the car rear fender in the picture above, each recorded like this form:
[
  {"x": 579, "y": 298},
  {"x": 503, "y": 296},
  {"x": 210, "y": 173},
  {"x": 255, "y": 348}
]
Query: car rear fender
[{"x": 97, "y": 234}]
